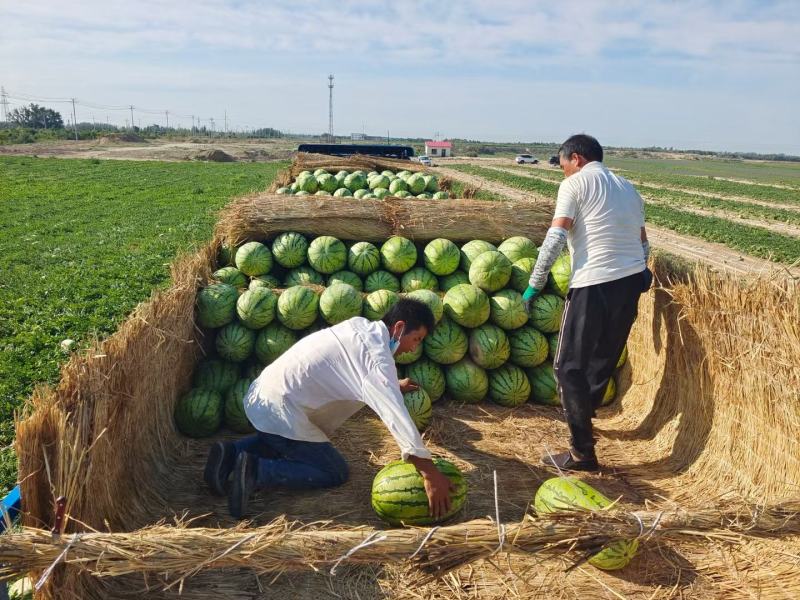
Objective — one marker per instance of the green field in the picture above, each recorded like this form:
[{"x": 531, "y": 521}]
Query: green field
[{"x": 82, "y": 242}]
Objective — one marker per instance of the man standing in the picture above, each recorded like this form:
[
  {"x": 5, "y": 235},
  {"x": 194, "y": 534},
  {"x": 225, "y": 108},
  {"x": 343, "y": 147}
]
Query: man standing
[
  {"x": 308, "y": 392},
  {"x": 601, "y": 218}
]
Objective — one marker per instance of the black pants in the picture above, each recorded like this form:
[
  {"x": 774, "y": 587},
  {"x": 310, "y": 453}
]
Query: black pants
[{"x": 595, "y": 326}]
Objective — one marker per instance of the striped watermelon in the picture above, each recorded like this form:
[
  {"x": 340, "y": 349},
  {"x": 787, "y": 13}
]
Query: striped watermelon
[
  {"x": 558, "y": 278},
  {"x": 254, "y": 258},
  {"x": 418, "y": 404},
  {"x": 466, "y": 382},
  {"x": 552, "y": 343},
  {"x": 216, "y": 375},
  {"x": 431, "y": 299},
  {"x": 428, "y": 375},
  {"x": 447, "y": 343},
  {"x": 518, "y": 247},
  {"x": 442, "y": 256},
  {"x": 418, "y": 278},
  {"x": 521, "y": 274},
  {"x": 544, "y": 388},
  {"x": 406, "y": 358},
  {"x": 216, "y": 305},
  {"x": 342, "y": 192},
  {"x": 490, "y": 271},
  {"x": 235, "y": 342},
  {"x": 467, "y": 305},
  {"x": 227, "y": 256},
  {"x": 265, "y": 281},
  {"x": 363, "y": 258},
  {"x": 231, "y": 276},
  {"x": 381, "y": 280},
  {"x": 339, "y": 303},
  {"x": 347, "y": 277},
  {"x": 507, "y": 310},
  {"x": 304, "y": 275},
  {"x": 327, "y": 255},
  {"x": 509, "y": 386},
  {"x": 398, "y": 254},
  {"x": 546, "y": 313},
  {"x": 290, "y": 249},
  {"x": 623, "y": 357},
  {"x": 272, "y": 341},
  {"x": 378, "y": 303},
  {"x": 528, "y": 347},
  {"x": 256, "y": 308},
  {"x": 471, "y": 250},
  {"x": 431, "y": 184},
  {"x": 570, "y": 493},
  {"x": 488, "y": 346},
  {"x": 452, "y": 280},
  {"x": 610, "y": 393},
  {"x": 297, "y": 307},
  {"x": 399, "y": 498},
  {"x": 235, "y": 419},
  {"x": 199, "y": 413}
]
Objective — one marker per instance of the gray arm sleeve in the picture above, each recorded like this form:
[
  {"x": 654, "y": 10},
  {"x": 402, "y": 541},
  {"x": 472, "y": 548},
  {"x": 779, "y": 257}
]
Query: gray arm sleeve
[
  {"x": 646, "y": 250},
  {"x": 553, "y": 244}
]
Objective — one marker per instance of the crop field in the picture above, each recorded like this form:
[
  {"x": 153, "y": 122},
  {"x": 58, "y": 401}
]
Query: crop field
[{"x": 82, "y": 242}]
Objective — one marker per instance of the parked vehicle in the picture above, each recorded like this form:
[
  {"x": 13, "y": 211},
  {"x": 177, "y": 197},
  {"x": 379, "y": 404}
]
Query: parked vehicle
[
  {"x": 526, "y": 159},
  {"x": 554, "y": 161},
  {"x": 425, "y": 160}
]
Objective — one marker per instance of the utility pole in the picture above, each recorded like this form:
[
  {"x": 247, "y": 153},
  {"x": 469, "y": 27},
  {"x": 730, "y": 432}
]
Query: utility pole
[
  {"x": 226, "y": 122},
  {"x": 213, "y": 126},
  {"x": 192, "y": 123},
  {"x": 131, "y": 117},
  {"x": 330, "y": 108},
  {"x": 74, "y": 119},
  {"x": 167, "y": 113},
  {"x": 4, "y": 102}
]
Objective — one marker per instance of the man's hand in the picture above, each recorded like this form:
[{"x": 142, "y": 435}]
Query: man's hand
[
  {"x": 437, "y": 486},
  {"x": 406, "y": 385},
  {"x": 528, "y": 297}
]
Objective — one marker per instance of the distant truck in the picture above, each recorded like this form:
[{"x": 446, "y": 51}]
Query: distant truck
[
  {"x": 554, "y": 161},
  {"x": 401, "y": 152},
  {"x": 526, "y": 159}
]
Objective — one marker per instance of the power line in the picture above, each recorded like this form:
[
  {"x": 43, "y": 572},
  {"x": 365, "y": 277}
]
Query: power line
[{"x": 330, "y": 108}]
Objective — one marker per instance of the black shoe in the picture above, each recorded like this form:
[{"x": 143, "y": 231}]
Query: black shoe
[
  {"x": 566, "y": 462},
  {"x": 219, "y": 465},
  {"x": 243, "y": 484}
]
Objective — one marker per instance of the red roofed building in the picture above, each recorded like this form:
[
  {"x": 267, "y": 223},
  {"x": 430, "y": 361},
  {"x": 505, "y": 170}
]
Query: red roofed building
[{"x": 438, "y": 149}]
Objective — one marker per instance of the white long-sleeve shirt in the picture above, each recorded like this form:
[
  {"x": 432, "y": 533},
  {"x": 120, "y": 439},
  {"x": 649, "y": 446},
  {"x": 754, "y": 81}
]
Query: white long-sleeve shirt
[{"x": 328, "y": 376}]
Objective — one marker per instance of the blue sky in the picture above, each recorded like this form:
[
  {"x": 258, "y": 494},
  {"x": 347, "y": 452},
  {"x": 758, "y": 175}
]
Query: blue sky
[{"x": 712, "y": 75}]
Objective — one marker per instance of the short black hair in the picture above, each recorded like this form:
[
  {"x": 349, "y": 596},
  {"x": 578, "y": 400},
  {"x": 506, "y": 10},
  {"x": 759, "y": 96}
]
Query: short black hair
[
  {"x": 416, "y": 314},
  {"x": 583, "y": 145}
]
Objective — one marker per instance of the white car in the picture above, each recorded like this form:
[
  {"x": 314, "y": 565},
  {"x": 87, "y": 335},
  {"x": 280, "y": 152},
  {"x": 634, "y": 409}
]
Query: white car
[
  {"x": 526, "y": 159},
  {"x": 425, "y": 160}
]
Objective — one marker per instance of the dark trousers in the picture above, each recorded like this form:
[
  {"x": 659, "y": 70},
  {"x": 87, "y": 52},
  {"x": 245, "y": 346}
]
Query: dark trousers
[
  {"x": 294, "y": 464},
  {"x": 595, "y": 326}
]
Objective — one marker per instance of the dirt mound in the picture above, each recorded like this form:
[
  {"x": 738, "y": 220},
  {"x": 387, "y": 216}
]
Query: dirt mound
[
  {"x": 113, "y": 138},
  {"x": 216, "y": 155}
]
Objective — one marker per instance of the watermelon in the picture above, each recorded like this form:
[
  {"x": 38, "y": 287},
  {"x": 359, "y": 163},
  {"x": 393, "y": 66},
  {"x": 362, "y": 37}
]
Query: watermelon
[
  {"x": 418, "y": 278},
  {"x": 431, "y": 184},
  {"x": 272, "y": 341},
  {"x": 355, "y": 181},
  {"x": 406, "y": 358},
  {"x": 552, "y": 342},
  {"x": 327, "y": 182},
  {"x": 466, "y": 382},
  {"x": 544, "y": 388},
  {"x": 610, "y": 393},
  {"x": 471, "y": 250},
  {"x": 368, "y": 196},
  {"x": 424, "y": 196},
  {"x": 509, "y": 386},
  {"x": 235, "y": 342},
  {"x": 297, "y": 307},
  {"x": 397, "y": 185},
  {"x": 416, "y": 183},
  {"x": 431, "y": 299},
  {"x": 256, "y": 308},
  {"x": 558, "y": 278},
  {"x": 441, "y": 196},
  {"x": 452, "y": 280},
  {"x": 340, "y": 177},
  {"x": 304, "y": 174},
  {"x": 488, "y": 346},
  {"x": 622, "y": 357},
  {"x": 378, "y": 303},
  {"x": 388, "y": 173},
  {"x": 442, "y": 256},
  {"x": 342, "y": 192},
  {"x": 216, "y": 375},
  {"x": 347, "y": 277},
  {"x": 379, "y": 182},
  {"x": 265, "y": 281},
  {"x": 319, "y": 172},
  {"x": 398, "y": 254},
  {"x": 289, "y": 249},
  {"x": 216, "y": 305},
  {"x": 231, "y": 276},
  {"x": 490, "y": 271},
  {"x": 327, "y": 255},
  {"x": 308, "y": 185},
  {"x": 302, "y": 193},
  {"x": 227, "y": 256},
  {"x": 403, "y": 174},
  {"x": 380, "y": 193},
  {"x": 507, "y": 310},
  {"x": 322, "y": 193},
  {"x": 199, "y": 413},
  {"x": 418, "y": 404},
  {"x": 283, "y": 191},
  {"x": 235, "y": 419},
  {"x": 399, "y": 498},
  {"x": 429, "y": 376},
  {"x": 339, "y": 303},
  {"x": 567, "y": 493},
  {"x": 304, "y": 275},
  {"x": 363, "y": 258},
  {"x": 546, "y": 312},
  {"x": 467, "y": 305},
  {"x": 381, "y": 280},
  {"x": 253, "y": 258},
  {"x": 447, "y": 343},
  {"x": 359, "y": 194},
  {"x": 293, "y": 188},
  {"x": 521, "y": 274},
  {"x": 528, "y": 347},
  {"x": 518, "y": 247},
  {"x": 253, "y": 368},
  {"x": 403, "y": 194}
]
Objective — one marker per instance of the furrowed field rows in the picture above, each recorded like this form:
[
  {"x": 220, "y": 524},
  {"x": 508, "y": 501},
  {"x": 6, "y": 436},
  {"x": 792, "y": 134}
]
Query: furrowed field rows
[{"x": 82, "y": 242}]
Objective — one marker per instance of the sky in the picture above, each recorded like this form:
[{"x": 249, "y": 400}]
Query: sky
[{"x": 691, "y": 75}]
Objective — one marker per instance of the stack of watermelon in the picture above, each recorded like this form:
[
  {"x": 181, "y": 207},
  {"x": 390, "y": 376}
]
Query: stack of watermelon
[
  {"x": 365, "y": 186},
  {"x": 269, "y": 294}
]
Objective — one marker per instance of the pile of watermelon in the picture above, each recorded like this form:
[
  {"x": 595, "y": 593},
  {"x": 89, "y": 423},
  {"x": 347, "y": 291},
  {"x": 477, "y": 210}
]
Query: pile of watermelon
[
  {"x": 269, "y": 294},
  {"x": 365, "y": 186}
]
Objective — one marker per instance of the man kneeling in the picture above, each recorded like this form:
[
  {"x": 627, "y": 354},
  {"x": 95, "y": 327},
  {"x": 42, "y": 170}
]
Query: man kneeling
[{"x": 308, "y": 392}]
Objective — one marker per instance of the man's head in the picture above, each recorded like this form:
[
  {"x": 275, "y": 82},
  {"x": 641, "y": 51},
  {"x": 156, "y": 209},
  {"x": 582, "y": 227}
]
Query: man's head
[
  {"x": 577, "y": 151},
  {"x": 409, "y": 321}
]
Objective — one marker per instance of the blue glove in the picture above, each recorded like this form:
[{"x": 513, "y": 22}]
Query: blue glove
[{"x": 528, "y": 297}]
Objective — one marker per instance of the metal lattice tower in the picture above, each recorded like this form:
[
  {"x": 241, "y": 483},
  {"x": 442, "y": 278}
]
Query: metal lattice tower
[
  {"x": 4, "y": 103},
  {"x": 330, "y": 108}
]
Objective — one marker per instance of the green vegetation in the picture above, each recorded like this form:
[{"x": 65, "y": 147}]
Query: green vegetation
[
  {"x": 82, "y": 242},
  {"x": 457, "y": 190},
  {"x": 521, "y": 182}
]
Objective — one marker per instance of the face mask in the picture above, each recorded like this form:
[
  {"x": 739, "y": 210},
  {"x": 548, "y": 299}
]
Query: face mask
[{"x": 394, "y": 343}]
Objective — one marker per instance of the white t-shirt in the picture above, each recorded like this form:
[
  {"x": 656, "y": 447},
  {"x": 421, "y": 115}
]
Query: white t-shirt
[
  {"x": 325, "y": 378},
  {"x": 608, "y": 215}
]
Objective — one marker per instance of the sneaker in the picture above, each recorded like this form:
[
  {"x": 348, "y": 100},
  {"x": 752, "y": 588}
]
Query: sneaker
[
  {"x": 219, "y": 465},
  {"x": 243, "y": 484},
  {"x": 566, "y": 462}
]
